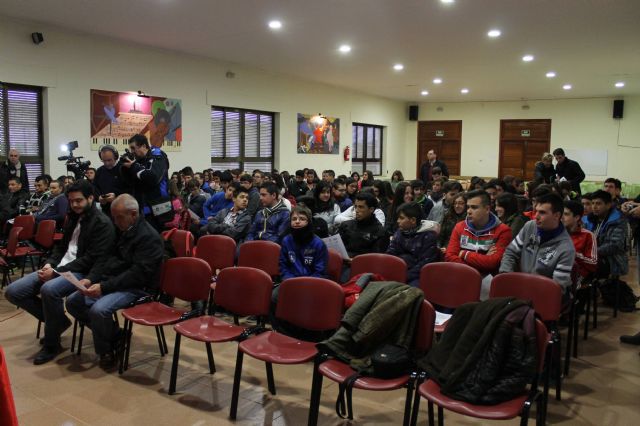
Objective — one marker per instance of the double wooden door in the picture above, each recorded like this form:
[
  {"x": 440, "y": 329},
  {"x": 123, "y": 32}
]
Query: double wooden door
[
  {"x": 444, "y": 137},
  {"x": 522, "y": 143}
]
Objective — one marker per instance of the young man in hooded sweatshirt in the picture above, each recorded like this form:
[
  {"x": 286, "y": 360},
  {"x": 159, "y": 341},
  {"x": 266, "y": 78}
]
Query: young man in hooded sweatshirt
[
  {"x": 415, "y": 241},
  {"x": 480, "y": 240}
]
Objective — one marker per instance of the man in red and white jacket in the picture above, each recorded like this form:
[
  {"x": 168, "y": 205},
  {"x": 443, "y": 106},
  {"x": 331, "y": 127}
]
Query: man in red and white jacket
[
  {"x": 480, "y": 240},
  {"x": 583, "y": 240}
]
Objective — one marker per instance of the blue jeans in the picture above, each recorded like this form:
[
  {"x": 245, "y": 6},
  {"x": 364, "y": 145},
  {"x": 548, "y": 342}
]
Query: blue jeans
[
  {"x": 97, "y": 313},
  {"x": 43, "y": 301}
]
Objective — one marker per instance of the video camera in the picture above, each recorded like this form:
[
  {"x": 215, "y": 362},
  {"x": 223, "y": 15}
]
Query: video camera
[{"x": 74, "y": 164}]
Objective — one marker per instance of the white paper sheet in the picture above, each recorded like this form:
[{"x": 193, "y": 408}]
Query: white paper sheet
[
  {"x": 335, "y": 242},
  {"x": 442, "y": 318},
  {"x": 72, "y": 279}
]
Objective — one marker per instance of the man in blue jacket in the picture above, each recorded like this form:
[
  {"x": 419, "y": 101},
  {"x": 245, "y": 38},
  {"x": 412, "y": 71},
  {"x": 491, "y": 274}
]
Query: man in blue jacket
[{"x": 272, "y": 222}]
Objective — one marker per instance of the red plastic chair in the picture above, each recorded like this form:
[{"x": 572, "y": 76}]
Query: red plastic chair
[
  {"x": 392, "y": 268},
  {"x": 242, "y": 291},
  {"x": 334, "y": 268},
  {"x": 12, "y": 253},
  {"x": 219, "y": 251},
  {"x": 297, "y": 305},
  {"x": 186, "y": 278},
  {"x": 58, "y": 236},
  {"x": 546, "y": 297},
  {"x": 182, "y": 241},
  {"x": 339, "y": 371},
  {"x": 28, "y": 224},
  {"x": 8, "y": 415},
  {"x": 450, "y": 285},
  {"x": 43, "y": 240},
  {"x": 263, "y": 255},
  {"x": 519, "y": 405}
]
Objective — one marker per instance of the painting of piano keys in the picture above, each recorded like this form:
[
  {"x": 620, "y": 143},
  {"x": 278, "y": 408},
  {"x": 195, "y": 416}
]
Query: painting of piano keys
[
  {"x": 318, "y": 134},
  {"x": 116, "y": 116}
]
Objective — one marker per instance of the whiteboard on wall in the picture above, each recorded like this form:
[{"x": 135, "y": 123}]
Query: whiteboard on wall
[{"x": 592, "y": 161}]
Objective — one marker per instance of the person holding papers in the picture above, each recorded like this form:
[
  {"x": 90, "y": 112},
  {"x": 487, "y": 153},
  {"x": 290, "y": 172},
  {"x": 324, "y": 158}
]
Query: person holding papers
[
  {"x": 129, "y": 272},
  {"x": 88, "y": 236}
]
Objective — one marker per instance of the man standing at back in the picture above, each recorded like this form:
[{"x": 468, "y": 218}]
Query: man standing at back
[
  {"x": 13, "y": 168},
  {"x": 432, "y": 161},
  {"x": 480, "y": 240},
  {"x": 568, "y": 170},
  {"x": 543, "y": 246},
  {"x": 88, "y": 237}
]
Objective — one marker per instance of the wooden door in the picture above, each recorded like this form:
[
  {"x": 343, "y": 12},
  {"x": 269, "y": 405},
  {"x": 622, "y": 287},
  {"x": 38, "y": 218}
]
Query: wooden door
[
  {"x": 445, "y": 138},
  {"x": 522, "y": 143}
]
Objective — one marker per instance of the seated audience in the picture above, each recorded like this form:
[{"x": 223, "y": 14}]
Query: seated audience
[
  {"x": 176, "y": 203},
  {"x": 39, "y": 196},
  {"x": 435, "y": 194},
  {"x": 586, "y": 201},
  {"x": 119, "y": 279},
  {"x": 234, "y": 222},
  {"x": 610, "y": 228},
  {"x": 450, "y": 190},
  {"x": 508, "y": 213},
  {"x": 254, "y": 192},
  {"x": 88, "y": 237},
  {"x": 396, "y": 178},
  {"x": 195, "y": 199},
  {"x": 480, "y": 240},
  {"x": 403, "y": 194},
  {"x": 325, "y": 207},
  {"x": 350, "y": 213},
  {"x": 415, "y": 241},
  {"x": 298, "y": 187},
  {"x": 219, "y": 201},
  {"x": 272, "y": 221},
  {"x": 420, "y": 197},
  {"x": 543, "y": 246},
  {"x": 584, "y": 242},
  {"x": 340, "y": 194},
  {"x": 456, "y": 213},
  {"x": 352, "y": 188},
  {"x": 614, "y": 187},
  {"x": 55, "y": 207},
  {"x": 10, "y": 203}
]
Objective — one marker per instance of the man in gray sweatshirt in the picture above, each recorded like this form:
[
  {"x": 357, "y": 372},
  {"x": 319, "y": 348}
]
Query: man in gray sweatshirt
[{"x": 543, "y": 246}]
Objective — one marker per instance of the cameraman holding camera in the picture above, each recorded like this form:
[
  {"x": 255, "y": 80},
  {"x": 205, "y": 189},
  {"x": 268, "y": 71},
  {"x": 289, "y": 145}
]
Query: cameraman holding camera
[{"x": 146, "y": 171}]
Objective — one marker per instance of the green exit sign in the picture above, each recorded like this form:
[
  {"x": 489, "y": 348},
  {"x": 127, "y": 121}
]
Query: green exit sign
[
  {"x": 525, "y": 133},
  {"x": 440, "y": 133}
]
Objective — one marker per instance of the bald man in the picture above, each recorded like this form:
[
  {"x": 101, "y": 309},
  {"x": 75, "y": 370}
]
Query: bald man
[{"x": 130, "y": 272}]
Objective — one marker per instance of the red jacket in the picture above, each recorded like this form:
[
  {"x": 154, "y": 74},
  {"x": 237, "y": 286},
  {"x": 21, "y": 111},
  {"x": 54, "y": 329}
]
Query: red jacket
[
  {"x": 586, "y": 252},
  {"x": 475, "y": 243}
]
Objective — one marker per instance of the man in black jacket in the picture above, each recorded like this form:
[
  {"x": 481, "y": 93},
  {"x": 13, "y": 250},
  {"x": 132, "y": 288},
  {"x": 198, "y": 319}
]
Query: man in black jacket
[
  {"x": 148, "y": 176},
  {"x": 13, "y": 167},
  {"x": 88, "y": 237},
  {"x": 128, "y": 273},
  {"x": 427, "y": 167},
  {"x": 108, "y": 181},
  {"x": 568, "y": 170},
  {"x": 14, "y": 200}
]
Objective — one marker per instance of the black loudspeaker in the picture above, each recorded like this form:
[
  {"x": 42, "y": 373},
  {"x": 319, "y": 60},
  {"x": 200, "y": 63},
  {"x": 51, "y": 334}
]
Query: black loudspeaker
[
  {"x": 413, "y": 112},
  {"x": 618, "y": 108},
  {"x": 37, "y": 38}
]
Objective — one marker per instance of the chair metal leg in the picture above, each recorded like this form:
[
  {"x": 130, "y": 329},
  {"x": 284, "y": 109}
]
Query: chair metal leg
[
  {"x": 594, "y": 294},
  {"x": 546, "y": 376},
  {"x": 38, "y": 330},
  {"x": 416, "y": 406},
  {"x": 316, "y": 392},
  {"x": 587, "y": 312},
  {"x": 129, "y": 333},
  {"x": 210, "y": 303},
  {"x": 24, "y": 264},
  {"x": 212, "y": 362},
  {"x": 617, "y": 303},
  {"x": 174, "y": 365},
  {"x": 124, "y": 348},
  {"x": 73, "y": 336},
  {"x": 524, "y": 416},
  {"x": 236, "y": 385},
  {"x": 270, "y": 381},
  {"x": 164, "y": 340},
  {"x": 558, "y": 369},
  {"x": 160, "y": 346},
  {"x": 432, "y": 421},
  {"x": 80, "y": 338},
  {"x": 406, "y": 420},
  {"x": 569, "y": 344},
  {"x": 576, "y": 329}
]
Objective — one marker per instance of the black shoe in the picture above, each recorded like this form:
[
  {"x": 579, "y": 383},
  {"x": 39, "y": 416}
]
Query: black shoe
[
  {"x": 46, "y": 354},
  {"x": 632, "y": 340},
  {"x": 107, "y": 361}
]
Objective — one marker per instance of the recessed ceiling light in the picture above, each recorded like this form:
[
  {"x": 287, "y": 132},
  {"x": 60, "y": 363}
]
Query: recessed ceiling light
[
  {"x": 494, "y": 33},
  {"x": 550, "y": 74},
  {"x": 424, "y": 93},
  {"x": 527, "y": 58},
  {"x": 345, "y": 48},
  {"x": 398, "y": 67},
  {"x": 464, "y": 91},
  {"x": 567, "y": 87},
  {"x": 620, "y": 84},
  {"x": 447, "y": 1},
  {"x": 275, "y": 25},
  {"x": 437, "y": 80}
]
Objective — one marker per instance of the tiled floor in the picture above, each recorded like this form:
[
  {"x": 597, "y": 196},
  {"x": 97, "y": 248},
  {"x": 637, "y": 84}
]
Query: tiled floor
[{"x": 603, "y": 386}]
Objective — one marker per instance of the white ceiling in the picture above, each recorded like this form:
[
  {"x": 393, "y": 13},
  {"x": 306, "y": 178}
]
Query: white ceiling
[{"x": 591, "y": 44}]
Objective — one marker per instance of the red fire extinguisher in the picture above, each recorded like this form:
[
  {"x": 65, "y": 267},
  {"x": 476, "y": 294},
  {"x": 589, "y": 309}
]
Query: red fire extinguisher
[{"x": 347, "y": 152}]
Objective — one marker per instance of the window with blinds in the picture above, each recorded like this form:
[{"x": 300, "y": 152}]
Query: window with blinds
[
  {"x": 241, "y": 139},
  {"x": 367, "y": 148},
  {"x": 21, "y": 126}
]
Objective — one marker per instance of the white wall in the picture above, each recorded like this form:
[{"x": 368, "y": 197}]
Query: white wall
[
  {"x": 70, "y": 65},
  {"x": 576, "y": 124}
]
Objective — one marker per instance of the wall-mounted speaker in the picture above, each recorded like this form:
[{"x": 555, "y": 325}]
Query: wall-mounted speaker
[
  {"x": 618, "y": 108},
  {"x": 37, "y": 38},
  {"x": 413, "y": 112}
]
